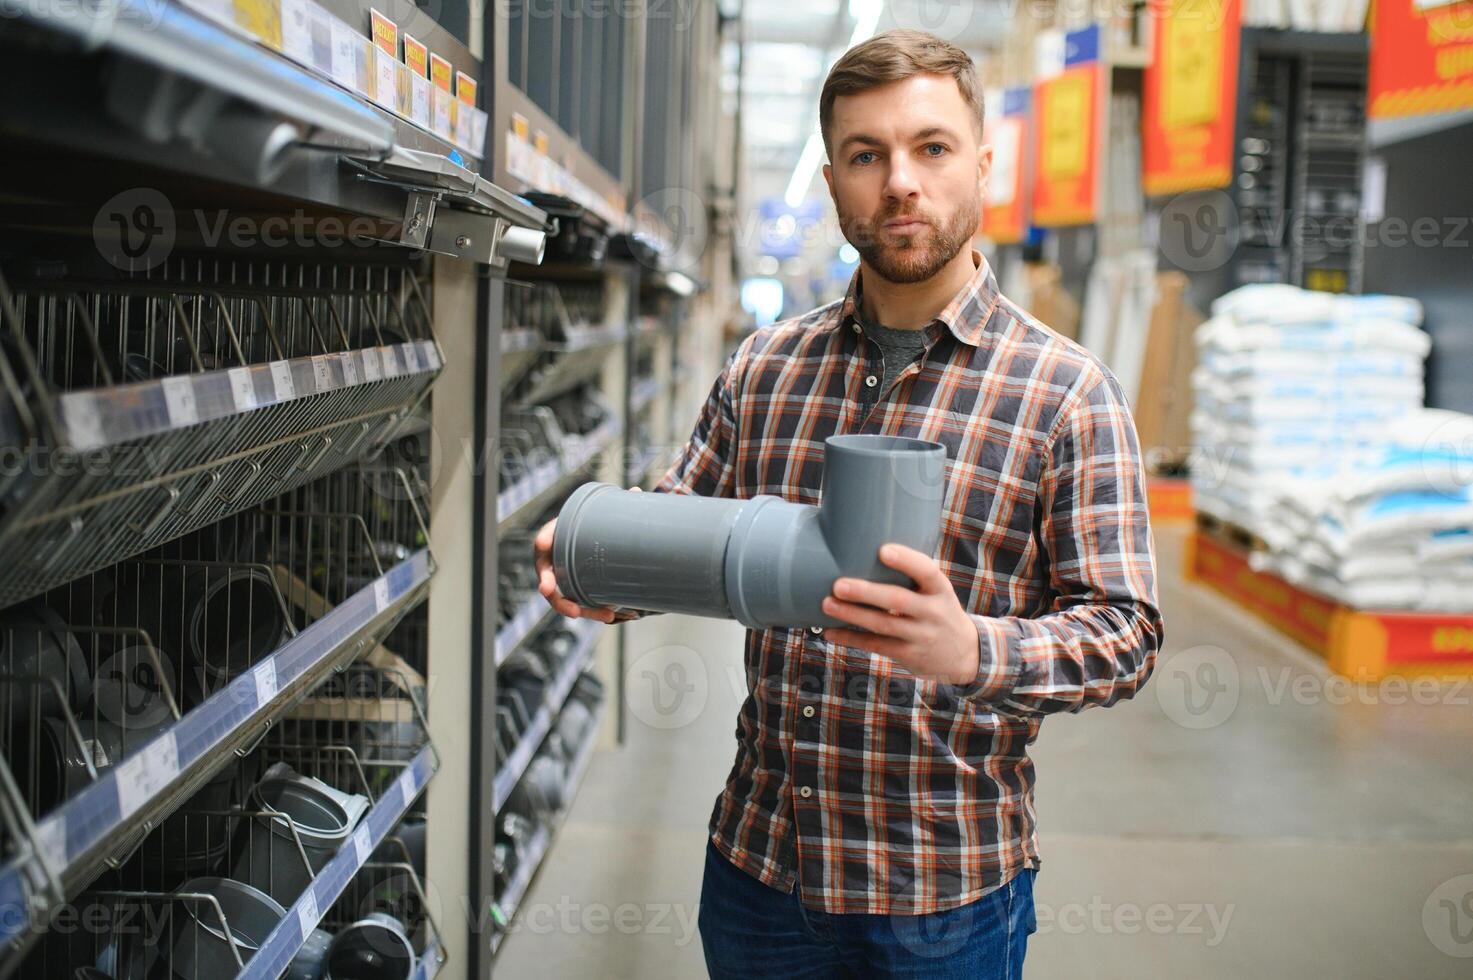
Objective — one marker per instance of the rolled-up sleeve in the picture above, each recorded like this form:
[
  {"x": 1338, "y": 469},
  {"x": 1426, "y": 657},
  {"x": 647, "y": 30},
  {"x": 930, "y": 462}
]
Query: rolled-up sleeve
[{"x": 1098, "y": 642}]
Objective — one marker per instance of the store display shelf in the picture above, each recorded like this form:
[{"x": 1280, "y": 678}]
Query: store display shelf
[
  {"x": 542, "y": 840},
  {"x": 591, "y": 338},
  {"x": 643, "y": 393},
  {"x": 517, "y": 500},
  {"x": 519, "y": 339},
  {"x": 527, "y": 621},
  {"x": 96, "y": 418},
  {"x": 429, "y": 963},
  {"x": 576, "y": 360},
  {"x": 1360, "y": 644},
  {"x": 186, "y": 450},
  {"x": 282, "y": 943},
  {"x": 72, "y": 841},
  {"x": 515, "y": 764},
  {"x": 180, "y": 42}
]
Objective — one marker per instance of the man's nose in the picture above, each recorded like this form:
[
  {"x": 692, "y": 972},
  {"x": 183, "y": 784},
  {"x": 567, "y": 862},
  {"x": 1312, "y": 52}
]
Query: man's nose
[{"x": 901, "y": 181}]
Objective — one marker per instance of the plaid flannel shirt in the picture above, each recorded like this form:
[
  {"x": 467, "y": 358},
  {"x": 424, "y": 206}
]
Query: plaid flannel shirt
[{"x": 896, "y": 795}]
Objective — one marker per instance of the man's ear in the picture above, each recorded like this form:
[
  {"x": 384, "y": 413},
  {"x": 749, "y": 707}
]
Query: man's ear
[
  {"x": 984, "y": 168},
  {"x": 828, "y": 178}
]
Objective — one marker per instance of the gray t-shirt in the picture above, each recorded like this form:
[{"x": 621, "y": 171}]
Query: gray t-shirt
[{"x": 898, "y": 348}]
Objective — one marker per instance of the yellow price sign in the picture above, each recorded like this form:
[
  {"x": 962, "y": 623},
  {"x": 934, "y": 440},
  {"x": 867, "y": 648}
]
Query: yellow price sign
[
  {"x": 1066, "y": 126},
  {"x": 1193, "y": 63},
  {"x": 261, "y": 19}
]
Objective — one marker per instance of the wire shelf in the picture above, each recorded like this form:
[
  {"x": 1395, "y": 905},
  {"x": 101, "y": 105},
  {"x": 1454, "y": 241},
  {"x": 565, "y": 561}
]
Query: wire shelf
[
  {"x": 144, "y": 409},
  {"x": 162, "y": 670}
]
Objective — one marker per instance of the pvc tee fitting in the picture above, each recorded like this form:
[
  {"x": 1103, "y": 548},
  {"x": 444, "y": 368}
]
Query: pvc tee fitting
[{"x": 765, "y": 562}]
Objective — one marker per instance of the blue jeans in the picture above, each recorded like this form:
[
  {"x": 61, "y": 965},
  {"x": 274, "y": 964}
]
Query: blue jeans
[{"x": 749, "y": 929}]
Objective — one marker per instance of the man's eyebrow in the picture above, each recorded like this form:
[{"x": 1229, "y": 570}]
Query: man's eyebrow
[{"x": 865, "y": 139}]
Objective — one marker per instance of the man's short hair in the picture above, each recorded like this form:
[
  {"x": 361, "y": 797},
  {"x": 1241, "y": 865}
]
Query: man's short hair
[{"x": 891, "y": 57}]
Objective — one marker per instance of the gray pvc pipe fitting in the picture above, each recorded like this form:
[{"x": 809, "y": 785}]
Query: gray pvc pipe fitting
[{"x": 765, "y": 562}]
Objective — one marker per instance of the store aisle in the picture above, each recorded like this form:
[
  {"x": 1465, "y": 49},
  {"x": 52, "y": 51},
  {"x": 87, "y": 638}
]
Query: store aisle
[{"x": 1200, "y": 830}]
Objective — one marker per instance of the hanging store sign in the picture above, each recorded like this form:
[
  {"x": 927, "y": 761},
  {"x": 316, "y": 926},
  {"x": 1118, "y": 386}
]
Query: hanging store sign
[
  {"x": 1067, "y": 138},
  {"x": 1004, "y": 209},
  {"x": 1421, "y": 57},
  {"x": 1190, "y": 100}
]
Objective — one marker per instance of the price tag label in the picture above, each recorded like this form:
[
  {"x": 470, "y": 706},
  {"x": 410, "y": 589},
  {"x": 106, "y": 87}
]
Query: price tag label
[
  {"x": 380, "y": 594},
  {"x": 242, "y": 389},
  {"x": 265, "y": 682},
  {"x": 362, "y": 845},
  {"x": 179, "y": 400},
  {"x": 406, "y": 786},
  {"x": 307, "y": 912},
  {"x": 391, "y": 362},
  {"x": 281, "y": 380},
  {"x": 411, "y": 357},
  {"x": 51, "y": 839},
  {"x": 144, "y": 775},
  {"x": 373, "y": 368},
  {"x": 83, "y": 420},
  {"x": 322, "y": 372},
  {"x": 350, "y": 366}
]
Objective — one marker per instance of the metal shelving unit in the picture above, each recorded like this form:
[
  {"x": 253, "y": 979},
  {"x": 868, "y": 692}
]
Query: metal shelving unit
[{"x": 221, "y": 555}]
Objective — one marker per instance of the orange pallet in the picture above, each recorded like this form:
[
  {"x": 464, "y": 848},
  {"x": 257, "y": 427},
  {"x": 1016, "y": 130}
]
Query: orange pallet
[
  {"x": 1169, "y": 500},
  {"x": 1357, "y": 643}
]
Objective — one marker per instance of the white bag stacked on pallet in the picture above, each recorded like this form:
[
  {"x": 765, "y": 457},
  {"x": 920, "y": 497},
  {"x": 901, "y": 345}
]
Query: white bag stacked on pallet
[{"x": 1311, "y": 436}]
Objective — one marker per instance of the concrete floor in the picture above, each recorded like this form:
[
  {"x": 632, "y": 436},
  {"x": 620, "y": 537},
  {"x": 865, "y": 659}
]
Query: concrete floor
[{"x": 1238, "y": 819}]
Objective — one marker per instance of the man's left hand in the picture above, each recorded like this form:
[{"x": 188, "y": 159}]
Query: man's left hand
[{"x": 925, "y": 630}]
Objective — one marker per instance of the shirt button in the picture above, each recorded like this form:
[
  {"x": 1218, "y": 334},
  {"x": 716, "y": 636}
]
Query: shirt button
[
  {"x": 856, "y": 328},
  {"x": 815, "y": 630},
  {"x": 808, "y": 711},
  {"x": 805, "y": 791},
  {"x": 871, "y": 381}
]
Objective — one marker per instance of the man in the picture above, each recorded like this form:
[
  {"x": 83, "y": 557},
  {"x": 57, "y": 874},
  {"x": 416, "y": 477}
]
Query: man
[{"x": 879, "y": 818}]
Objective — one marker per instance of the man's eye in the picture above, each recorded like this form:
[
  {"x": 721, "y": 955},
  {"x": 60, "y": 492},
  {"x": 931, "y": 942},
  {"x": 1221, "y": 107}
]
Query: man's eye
[
  {"x": 864, "y": 158},
  {"x": 935, "y": 149}
]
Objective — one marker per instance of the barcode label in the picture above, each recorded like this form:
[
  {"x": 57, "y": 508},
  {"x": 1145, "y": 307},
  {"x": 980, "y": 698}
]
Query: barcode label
[
  {"x": 83, "y": 421},
  {"x": 242, "y": 389},
  {"x": 322, "y": 372},
  {"x": 281, "y": 380},
  {"x": 391, "y": 363},
  {"x": 307, "y": 911},
  {"x": 380, "y": 594},
  {"x": 265, "y": 683},
  {"x": 51, "y": 839},
  {"x": 411, "y": 356},
  {"x": 350, "y": 368},
  {"x": 179, "y": 400},
  {"x": 362, "y": 844},
  {"x": 406, "y": 786},
  {"x": 372, "y": 367},
  {"x": 142, "y": 777}
]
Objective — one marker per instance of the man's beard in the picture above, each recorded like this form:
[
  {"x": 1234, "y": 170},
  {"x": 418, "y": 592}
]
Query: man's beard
[{"x": 906, "y": 262}]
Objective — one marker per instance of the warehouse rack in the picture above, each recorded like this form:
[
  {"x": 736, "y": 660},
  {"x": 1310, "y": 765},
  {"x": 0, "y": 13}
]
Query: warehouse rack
[{"x": 224, "y": 568}]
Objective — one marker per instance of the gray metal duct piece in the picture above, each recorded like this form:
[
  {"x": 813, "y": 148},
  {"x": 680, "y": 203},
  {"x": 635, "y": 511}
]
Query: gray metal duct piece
[{"x": 765, "y": 562}]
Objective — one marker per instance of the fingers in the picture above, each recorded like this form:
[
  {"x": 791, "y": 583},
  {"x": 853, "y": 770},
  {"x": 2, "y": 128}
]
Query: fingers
[
  {"x": 922, "y": 568},
  {"x": 547, "y": 585},
  {"x": 885, "y": 646},
  {"x": 870, "y": 619},
  {"x": 892, "y": 598}
]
